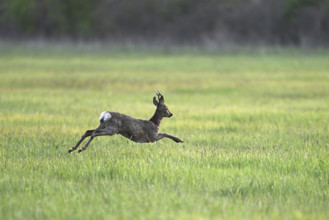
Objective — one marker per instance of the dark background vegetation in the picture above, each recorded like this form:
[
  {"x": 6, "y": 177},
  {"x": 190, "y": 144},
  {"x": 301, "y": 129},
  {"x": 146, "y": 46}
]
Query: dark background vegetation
[{"x": 269, "y": 22}]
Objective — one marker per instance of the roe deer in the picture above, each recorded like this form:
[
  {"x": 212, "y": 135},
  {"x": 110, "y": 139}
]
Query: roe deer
[{"x": 141, "y": 131}]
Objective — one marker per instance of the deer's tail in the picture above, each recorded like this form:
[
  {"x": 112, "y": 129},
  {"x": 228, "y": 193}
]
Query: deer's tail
[{"x": 105, "y": 116}]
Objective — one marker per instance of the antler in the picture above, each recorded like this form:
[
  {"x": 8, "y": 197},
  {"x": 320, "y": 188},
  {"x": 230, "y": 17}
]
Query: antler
[{"x": 159, "y": 94}]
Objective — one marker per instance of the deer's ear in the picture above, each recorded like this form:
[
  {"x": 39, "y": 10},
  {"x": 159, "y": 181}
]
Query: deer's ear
[
  {"x": 155, "y": 101},
  {"x": 161, "y": 100}
]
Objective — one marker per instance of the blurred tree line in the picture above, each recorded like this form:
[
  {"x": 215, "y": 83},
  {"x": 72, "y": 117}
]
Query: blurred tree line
[{"x": 299, "y": 22}]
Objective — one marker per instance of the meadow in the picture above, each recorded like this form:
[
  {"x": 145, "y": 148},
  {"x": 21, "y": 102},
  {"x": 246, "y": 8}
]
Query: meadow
[{"x": 254, "y": 125}]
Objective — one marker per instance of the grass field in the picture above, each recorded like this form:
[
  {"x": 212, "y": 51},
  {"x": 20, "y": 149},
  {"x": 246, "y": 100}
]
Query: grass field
[{"x": 255, "y": 126}]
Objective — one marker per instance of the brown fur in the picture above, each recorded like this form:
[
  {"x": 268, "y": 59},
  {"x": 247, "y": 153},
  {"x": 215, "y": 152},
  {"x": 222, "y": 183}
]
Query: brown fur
[{"x": 137, "y": 130}]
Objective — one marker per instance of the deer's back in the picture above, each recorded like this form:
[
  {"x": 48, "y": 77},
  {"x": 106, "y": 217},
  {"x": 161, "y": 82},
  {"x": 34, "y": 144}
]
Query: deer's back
[{"x": 137, "y": 130}]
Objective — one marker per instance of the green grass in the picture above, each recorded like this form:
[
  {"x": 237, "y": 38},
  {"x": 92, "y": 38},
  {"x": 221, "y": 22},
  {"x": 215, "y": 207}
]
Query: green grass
[{"x": 255, "y": 126}]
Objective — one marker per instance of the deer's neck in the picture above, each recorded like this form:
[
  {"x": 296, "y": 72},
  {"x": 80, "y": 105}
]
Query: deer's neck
[{"x": 156, "y": 118}]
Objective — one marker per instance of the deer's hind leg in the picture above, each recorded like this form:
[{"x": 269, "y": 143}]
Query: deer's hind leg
[
  {"x": 86, "y": 134},
  {"x": 96, "y": 133}
]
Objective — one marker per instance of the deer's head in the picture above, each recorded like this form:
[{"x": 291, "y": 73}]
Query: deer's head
[{"x": 162, "y": 109}]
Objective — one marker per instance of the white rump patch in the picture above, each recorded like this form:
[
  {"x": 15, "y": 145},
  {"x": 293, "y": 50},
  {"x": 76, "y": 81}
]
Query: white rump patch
[{"x": 105, "y": 116}]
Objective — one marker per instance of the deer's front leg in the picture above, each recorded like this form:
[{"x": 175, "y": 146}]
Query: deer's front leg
[
  {"x": 86, "y": 134},
  {"x": 164, "y": 135}
]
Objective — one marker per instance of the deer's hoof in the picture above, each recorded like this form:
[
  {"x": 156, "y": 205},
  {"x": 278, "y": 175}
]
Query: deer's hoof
[
  {"x": 70, "y": 151},
  {"x": 79, "y": 151}
]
